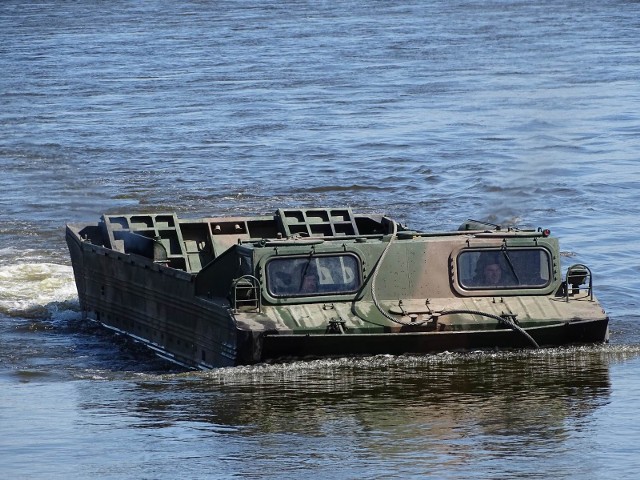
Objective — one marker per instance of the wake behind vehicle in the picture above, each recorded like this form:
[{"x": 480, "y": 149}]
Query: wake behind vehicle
[{"x": 301, "y": 283}]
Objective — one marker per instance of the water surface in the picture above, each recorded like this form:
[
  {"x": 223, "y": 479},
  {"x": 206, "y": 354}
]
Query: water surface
[{"x": 430, "y": 112}]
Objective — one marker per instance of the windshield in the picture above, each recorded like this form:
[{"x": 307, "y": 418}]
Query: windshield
[
  {"x": 504, "y": 268},
  {"x": 313, "y": 275}
]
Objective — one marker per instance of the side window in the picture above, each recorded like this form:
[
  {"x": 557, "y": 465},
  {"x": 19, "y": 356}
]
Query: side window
[
  {"x": 504, "y": 268},
  {"x": 313, "y": 275}
]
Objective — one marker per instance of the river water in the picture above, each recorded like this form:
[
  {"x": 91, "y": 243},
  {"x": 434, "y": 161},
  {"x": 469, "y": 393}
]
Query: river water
[{"x": 429, "y": 111}]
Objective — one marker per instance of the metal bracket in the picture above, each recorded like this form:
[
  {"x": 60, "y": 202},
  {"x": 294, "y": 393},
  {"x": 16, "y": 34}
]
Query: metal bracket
[{"x": 336, "y": 325}]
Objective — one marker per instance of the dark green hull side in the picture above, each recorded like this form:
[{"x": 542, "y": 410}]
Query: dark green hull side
[
  {"x": 156, "y": 306},
  {"x": 297, "y": 346}
]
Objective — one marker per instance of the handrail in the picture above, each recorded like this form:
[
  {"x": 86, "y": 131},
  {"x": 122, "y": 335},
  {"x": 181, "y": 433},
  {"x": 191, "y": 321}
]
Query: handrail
[
  {"x": 579, "y": 273},
  {"x": 245, "y": 292}
]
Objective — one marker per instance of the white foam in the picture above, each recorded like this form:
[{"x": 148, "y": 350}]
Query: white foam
[{"x": 43, "y": 287}]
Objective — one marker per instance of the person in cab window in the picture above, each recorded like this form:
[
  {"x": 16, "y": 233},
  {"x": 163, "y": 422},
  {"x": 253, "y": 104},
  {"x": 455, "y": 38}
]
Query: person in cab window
[
  {"x": 309, "y": 283},
  {"x": 490, "y": 272}
]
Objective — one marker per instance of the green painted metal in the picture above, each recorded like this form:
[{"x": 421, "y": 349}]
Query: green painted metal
[{"x": 311, "y": 282}]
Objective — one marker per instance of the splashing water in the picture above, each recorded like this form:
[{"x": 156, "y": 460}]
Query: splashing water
[{"x": 37, "y": 290}]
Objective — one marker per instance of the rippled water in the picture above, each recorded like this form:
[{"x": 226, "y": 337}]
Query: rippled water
[{"x": 431, "y": 112}]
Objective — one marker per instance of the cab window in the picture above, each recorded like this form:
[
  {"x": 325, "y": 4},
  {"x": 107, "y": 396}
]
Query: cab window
[
  {"x": 313, "y": 275},
  {"x": 504, "y": 268}
]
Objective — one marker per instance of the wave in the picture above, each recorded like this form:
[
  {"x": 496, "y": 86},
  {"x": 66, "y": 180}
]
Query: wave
[
  {"x": 36, "y": 290},
  {"x": 342, "y": 188},
  {"x": 554, "y": 358}
]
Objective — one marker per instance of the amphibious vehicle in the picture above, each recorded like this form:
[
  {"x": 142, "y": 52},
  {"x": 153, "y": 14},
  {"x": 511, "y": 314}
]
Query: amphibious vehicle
[{"x": 308, "y": 283}]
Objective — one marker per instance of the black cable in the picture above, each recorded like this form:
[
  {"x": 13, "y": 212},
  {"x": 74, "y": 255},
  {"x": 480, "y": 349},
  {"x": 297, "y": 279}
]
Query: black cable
[{"x": 503, "y": 320}]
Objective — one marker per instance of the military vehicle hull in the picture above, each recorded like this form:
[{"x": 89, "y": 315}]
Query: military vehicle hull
[
  {"x": 227, "y": 291},
  {"x": 297, "y": 346}
]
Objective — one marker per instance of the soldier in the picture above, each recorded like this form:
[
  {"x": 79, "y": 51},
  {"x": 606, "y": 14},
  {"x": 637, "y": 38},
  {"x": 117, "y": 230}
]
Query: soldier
[
  {"x": 490, "y": 272},
  {"x": 309, "y": 283}
]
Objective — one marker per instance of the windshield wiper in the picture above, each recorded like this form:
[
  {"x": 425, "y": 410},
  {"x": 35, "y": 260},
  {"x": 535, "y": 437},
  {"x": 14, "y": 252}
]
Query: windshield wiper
[
  {"x": 304, "y": 270},
  {"x": 505, "y": 252}
]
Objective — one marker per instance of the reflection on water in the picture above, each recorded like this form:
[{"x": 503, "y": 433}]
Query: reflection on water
[
  {"x": 382, "y": 408},
  {"x": 496, "y": 392}
]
